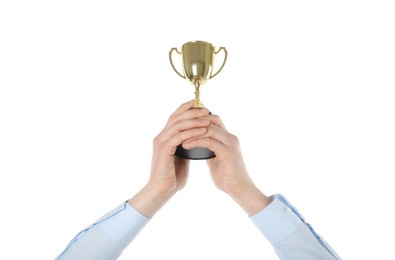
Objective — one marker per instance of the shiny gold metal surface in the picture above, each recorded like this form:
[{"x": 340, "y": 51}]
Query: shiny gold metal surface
[{"x": 198, "y": 64}]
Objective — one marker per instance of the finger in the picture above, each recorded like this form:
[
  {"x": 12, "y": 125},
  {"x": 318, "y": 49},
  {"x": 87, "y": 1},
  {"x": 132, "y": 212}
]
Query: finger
[
  {"x": 187, "y": 114},
  {"x": 171, "y": 144},
  {"x": 181, "y": 126},
  {"x": 217, "y": 147},
  {"x": 216, "y": 120},
  {"x": 184, "y": 107},
  {"x": 220, "y": 134}
]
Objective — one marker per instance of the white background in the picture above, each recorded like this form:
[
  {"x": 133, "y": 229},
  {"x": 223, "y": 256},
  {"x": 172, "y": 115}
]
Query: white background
[{"x": 86, "y": 85}]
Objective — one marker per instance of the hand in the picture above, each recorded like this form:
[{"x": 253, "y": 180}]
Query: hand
[
  {"x": 169, "y": 173},
  {"x": 227, "y": 169}
]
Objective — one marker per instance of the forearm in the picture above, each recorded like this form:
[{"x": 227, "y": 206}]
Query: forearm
[
  {"x": 110, "y": 235},
  {"x": 107, "y": 237},
  {"x": 292, "y": 238}
]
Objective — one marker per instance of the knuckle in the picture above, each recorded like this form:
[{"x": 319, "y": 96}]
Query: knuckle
[
  {"x": 156, "y": 141},
  {"x": 233, "y": 140},
  {"x": 170, "y": 118},
  {"x": 215, "y": 117}
]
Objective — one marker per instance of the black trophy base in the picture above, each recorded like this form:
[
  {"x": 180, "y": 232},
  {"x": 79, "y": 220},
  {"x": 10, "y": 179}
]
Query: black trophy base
[{"x": 197, "y": 153}]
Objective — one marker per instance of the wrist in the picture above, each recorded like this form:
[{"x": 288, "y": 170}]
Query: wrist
[
  {"x": 150, "y": 199},
  {"x": 251, "y": 200}
]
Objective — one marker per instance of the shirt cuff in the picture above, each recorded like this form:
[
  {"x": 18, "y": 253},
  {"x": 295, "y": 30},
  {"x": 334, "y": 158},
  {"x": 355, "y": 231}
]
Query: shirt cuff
[
  {"x": 123, "y": 223},
  {"x": 278, "y": 220}
]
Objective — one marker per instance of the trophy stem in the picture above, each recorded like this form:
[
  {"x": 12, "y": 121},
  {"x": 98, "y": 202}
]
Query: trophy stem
[{"x": 198, "y": 104}]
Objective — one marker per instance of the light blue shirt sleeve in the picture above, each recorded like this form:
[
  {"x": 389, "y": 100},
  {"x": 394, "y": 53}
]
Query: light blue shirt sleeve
[
  {"x": 292, "y": 238},
  {"x": 280, "y": 222},
  {"x": 107, "y": 237}
]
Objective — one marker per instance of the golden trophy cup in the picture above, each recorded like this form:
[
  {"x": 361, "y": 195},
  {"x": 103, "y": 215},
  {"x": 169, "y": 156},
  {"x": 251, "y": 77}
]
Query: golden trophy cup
[{"x": 198, "y": 66}]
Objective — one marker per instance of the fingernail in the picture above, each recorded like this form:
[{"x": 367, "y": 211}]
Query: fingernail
[
  {"x": 204, "y": 111},
  {"x": 186, "y": 144}
]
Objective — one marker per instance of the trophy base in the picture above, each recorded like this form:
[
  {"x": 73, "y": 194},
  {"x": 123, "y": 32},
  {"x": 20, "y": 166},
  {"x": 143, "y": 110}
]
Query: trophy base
[{"x": 197, "y": 153}]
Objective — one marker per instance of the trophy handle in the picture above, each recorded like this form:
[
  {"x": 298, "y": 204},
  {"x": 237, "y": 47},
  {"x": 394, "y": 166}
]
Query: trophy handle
[
  {"x": 223, "y": 64},
  {"x": 171, "y": 62}
]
